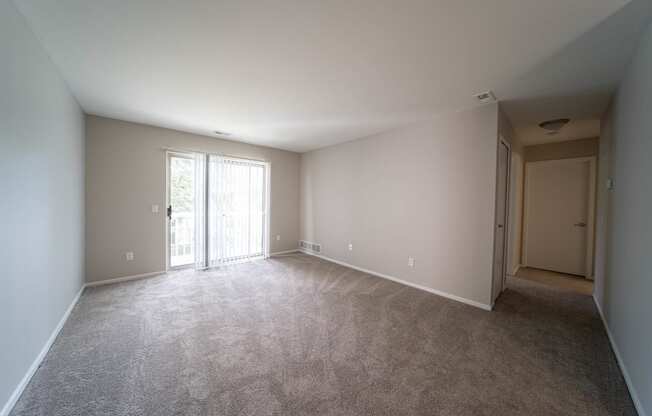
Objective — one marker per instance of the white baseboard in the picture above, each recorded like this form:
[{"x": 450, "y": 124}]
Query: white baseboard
[
  {"x": 37, "y": 362},
  {"x": 404, "y": 282},
  {"x": 621, "y": 364},
  {"x": 516, "y": 269},
  {"x": 6, "y": 409},
  {"x": 122, "y": 279},
  {"x": 279, "y": 253}
]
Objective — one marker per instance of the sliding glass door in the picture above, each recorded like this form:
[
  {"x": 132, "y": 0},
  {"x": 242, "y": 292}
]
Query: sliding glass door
[
  {"x": 181, "y": 210},
  {"x": 236, "y": 207},
  {"x": 217, "y": 209}
]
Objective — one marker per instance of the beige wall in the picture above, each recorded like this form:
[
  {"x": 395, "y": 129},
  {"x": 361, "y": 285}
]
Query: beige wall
[
  {"x": 425, "y": 191},
  {"x": 603, "y": 203},
  {"x": 125, "y": 166},
  {"x": 624, "y": 264},
  {"x": 41, "y": 202},
  {"x": 517, "y": 174},
  {"x": 562, "y": 150}
]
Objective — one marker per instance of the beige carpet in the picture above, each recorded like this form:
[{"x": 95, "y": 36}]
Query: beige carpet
[
  {"x": 558, "y": 280},
  {"x": 300, "y": 336}
]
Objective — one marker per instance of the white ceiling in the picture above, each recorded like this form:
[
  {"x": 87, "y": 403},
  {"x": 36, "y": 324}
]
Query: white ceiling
[
  {"x": 303, "y": 74},
  {"x": 576, "y": 129}
]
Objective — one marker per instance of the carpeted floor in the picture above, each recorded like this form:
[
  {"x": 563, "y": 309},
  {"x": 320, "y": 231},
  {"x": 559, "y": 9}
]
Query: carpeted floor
[
  {"x": 301, "y": 336},
  {"x": 559, "y": 280}
]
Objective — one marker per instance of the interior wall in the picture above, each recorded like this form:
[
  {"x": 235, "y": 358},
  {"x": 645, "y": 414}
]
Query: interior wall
[
  {"x": 515, "y": 221},
  {"x": 425, "y": 191},
  {"x": 562, "y": 150},
  {"x": 603, "y": 203},
  {"x": 624, "y": 282},
  {"x": 125, "y": 176},
  {"x": 42, "y": 202},
  {"x": 516, "y": 213}
]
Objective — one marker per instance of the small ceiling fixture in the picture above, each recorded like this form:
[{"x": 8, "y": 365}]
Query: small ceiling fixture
[
  {"x": 221, "y": 133},
  {"x": 486, "y": 97},
  {"x": 553, "y": 126}
]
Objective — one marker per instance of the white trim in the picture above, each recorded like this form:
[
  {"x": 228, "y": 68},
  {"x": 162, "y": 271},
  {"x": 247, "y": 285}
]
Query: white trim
[
  {"x": 516, "y": 269},
  {"x": 590, "y": 223},
  {"x": 501, "y": 141},
  {"x": 279, "y": 253},
  {"x": 224, "y": 155},
  {"x": 11, "y": 402},
  {"x": 621, "y": 364},
  {"x": 267, "y": 234},
  {"x": 403, "y": 282},
  {"x": 122, "y": 279}
]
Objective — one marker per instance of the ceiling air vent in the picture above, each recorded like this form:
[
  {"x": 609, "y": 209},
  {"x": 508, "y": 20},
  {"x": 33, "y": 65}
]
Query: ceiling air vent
[{"x": 486, "y": 97}]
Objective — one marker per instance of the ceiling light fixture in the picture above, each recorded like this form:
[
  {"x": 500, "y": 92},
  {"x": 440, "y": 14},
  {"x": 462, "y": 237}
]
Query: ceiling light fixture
[{"x": 554, "y": 125}]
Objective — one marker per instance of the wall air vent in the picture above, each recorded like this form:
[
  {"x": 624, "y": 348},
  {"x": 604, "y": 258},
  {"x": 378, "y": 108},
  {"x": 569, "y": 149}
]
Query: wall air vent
[
  {"x": 308, "y": 246},
  {"x": 486, "y": 97}
]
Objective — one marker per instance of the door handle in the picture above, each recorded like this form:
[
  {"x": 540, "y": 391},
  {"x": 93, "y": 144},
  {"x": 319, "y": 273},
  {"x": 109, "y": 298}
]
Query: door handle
[
  {"x": 580, "y": 224},
  {"x": 500, "y": 226},
  {"x": 170, "y": 211}
]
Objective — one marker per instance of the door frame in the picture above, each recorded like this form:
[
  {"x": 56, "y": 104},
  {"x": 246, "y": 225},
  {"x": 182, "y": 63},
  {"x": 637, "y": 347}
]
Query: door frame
[
  {"x": 590, "y": 221},
  {"x": 501, "y": 141},
  {"x": 190, "y": 154},
  {"x": 168, "y": 155}
]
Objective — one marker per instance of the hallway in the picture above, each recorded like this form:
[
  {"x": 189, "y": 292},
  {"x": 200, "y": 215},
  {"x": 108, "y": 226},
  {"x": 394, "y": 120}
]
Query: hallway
[{"x": 559, "y": 280}]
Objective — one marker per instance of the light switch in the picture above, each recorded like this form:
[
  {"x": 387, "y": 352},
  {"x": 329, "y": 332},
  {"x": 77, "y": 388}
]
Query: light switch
[
  {"x": 610, "y": 184},
  {"x": 129, "y": 255},
  {"x": 278, "y": 238},
  {"x": 155, "y": 209},
  {"x": 410, "y": 261},
  {"x": 350, "y": 246}
]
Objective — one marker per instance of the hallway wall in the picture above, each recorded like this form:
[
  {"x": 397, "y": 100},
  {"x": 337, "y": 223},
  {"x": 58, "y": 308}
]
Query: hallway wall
[
  {"x": 41, "y": 202},
  {"x": 624, "y": 277}
]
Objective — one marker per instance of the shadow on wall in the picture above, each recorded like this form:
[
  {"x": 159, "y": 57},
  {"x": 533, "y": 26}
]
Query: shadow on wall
[
  {"x": 307, "y": 208},
  {"x": 515, "y": 213},
  {"x": 618, "y": 35}
]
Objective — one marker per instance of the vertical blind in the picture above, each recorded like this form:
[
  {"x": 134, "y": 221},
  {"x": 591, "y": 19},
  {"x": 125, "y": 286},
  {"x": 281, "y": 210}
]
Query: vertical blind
[{"x": 232, "y": 211}]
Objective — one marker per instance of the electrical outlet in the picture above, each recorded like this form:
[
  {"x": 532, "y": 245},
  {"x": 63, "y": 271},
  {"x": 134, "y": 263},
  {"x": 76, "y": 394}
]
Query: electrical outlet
[
  {"x": 129, "y": 255},
  {"x": 350, "y": 246},
  {"x": 410, "y": 261},
  {"x": 278, "y": 238}
]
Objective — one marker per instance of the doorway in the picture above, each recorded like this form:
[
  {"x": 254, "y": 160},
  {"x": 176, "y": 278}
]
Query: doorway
[
  {"x": 217, "y": 209},
  {"x": 500, "y": 232},
  {"x": 559, "y": 216},
  {"x": 181, "y": 209}
]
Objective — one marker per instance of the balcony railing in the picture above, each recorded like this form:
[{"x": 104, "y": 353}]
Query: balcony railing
[{"x": 182, "y": 231}]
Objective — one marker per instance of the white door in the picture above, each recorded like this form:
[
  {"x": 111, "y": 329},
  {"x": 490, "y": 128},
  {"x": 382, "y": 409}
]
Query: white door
[
  {"x": 557, "y": 195},
  {"x": 501, "y": 219}
]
